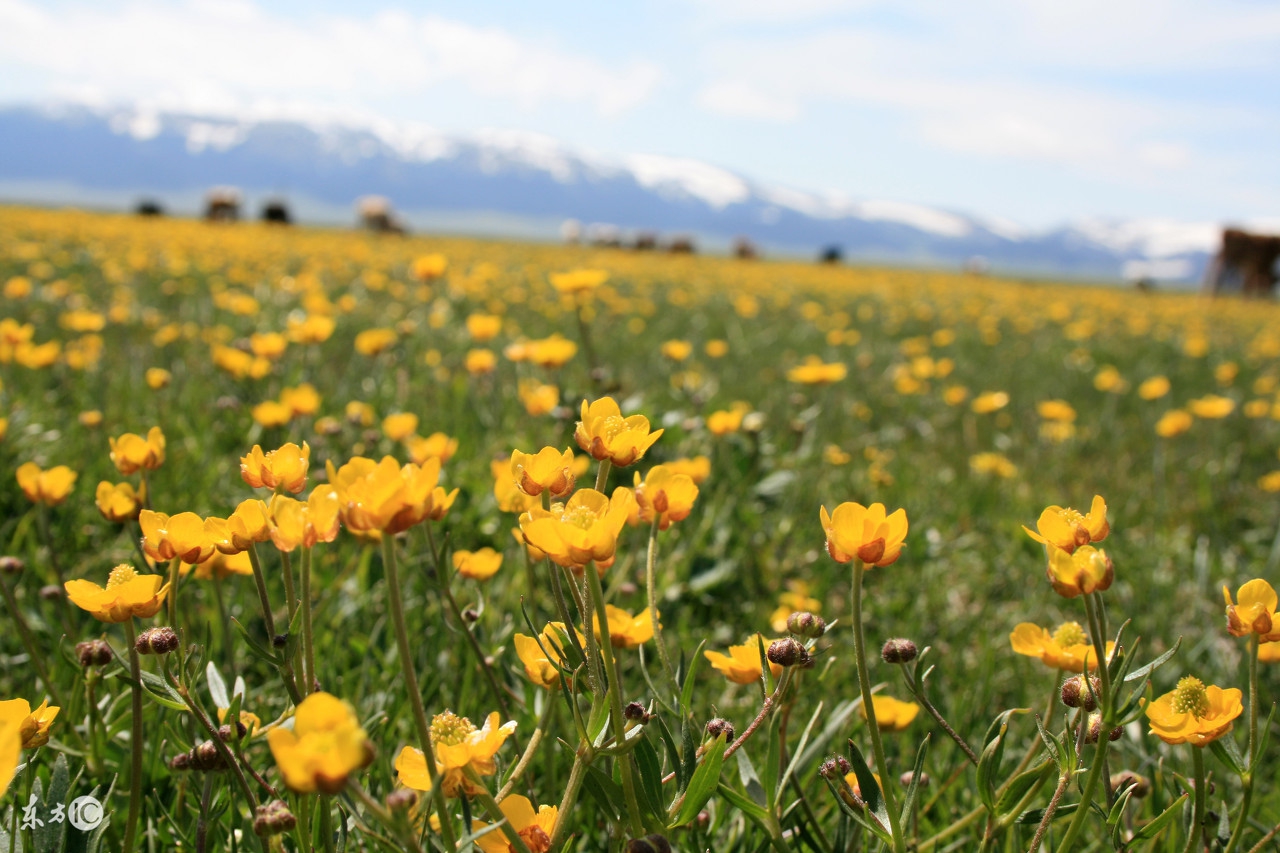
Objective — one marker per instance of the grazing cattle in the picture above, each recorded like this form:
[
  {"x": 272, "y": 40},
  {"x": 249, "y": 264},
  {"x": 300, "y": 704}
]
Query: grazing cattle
[
  {"x": 682, "y": 245},
  {"x": 744, "y": 249},
  {"x": 149, "y": 207},
  {"x": 277, "y": 212},
  {"x": 831, "y": 255},
  {"x": 1245, "y": 264},
  {"x": 222, "y": 204},
  {"x": 375, "y": 214},
  {"x": 645, "y": 241}
]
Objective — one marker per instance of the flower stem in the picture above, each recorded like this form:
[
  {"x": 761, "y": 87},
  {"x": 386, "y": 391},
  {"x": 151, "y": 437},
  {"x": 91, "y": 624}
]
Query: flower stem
[
  {"x": 263, "y": 599},
  {"x": 411, "y": 685},
  {"x": 24, "y": 631},
  {"x": 135, "y": 738},
  {"x": 1246, "y": 778},
  {"x": 581, "y": 761},
  {"x": 529, "y": 750},
  {"x": 1197, "y": 822},
  {"x": 651, "y": 584},
  {"x": 602, "y": 474},
  {"x": 868, "y": 706},
  {"x": 308, "y": 647},
  {"x": 615, "y": 697},
  {"x": 174, "y": 577}
]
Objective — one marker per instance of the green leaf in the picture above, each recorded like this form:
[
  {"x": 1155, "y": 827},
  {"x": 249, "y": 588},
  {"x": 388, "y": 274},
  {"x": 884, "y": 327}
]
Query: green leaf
[
  {"x": 835, "y": 723},
  {"x": 1144, "y": 671},
  {"x": 773, "y": 760},
  {"x": 673, "y": 753},
  {"x": 748, "y": 807},
  {"x": 992, "y": 753},
  {"x": 686, "y": 689},
  {"x": 703, "y": 784},
  {"x": 870, "y": 789},
  {"x": 1228, "y": 752},
  {"x": 217, "y": 687},
  {"x": 1153, "y": 827},
  {"x": 750, "y": 781},
  {"x": 650, "y": 769},
  {"x": 1055, "y": 750},
  {"x": 799, "y": 750},
  {"x": 689, "y": 749},
  {"x": 1021, "y": 785},
  {"x": 606, "y": 792},
  {"x": 909, "y": 801},
  {"x": 256, "y": 648},
  {"x": 1034, "y": 816}
]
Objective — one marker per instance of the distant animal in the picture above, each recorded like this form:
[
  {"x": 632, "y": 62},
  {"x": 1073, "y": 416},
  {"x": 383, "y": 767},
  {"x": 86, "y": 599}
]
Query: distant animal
[
  {"x": 682, "y": 244},
  {"x": 604, "y": 236},
  {"x": 276, "y": 211},
  {"x": 149, "y": 207},
  {"x": 744, "y": 249},
  {"x": 376, "y": 214},
  {"x": 571, "y": 231},
  {"x": 831, "y": 255},
  {"x": 222, "y": 204},
  {"x": 645, "y": 241},
  {"x": 1245, "y": 264}
]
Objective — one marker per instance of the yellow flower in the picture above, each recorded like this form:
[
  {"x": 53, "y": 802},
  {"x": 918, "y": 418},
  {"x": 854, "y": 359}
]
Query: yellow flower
[
  {"x": 542, "y": 662},
  {"x": 625, "y": 631},
  {"x": 458, "y": 744},
  {"x": 815, "y": 372},
  {"x": 373, "y": 341},
  {"x": 47, "y": 487},
  {"x": 399, "y": 425},
  {"x": 157, "y": 378},
  {"x": 864, "y": 532},
  {"x": 1085, "y": 570},
  {"x": 1065, "y": 528},
  {"x": 834, "y": 455},
  {"x": 1173, "y": 422},
  {"x": 1269, "y": 652},
  {"x": 1211, "y": 406},
  {"x": 742, "y": 664},
  {"x": 315, "y": 329},
  {"x": 430, "y": 266},
  {"x": 1154, "y": 388},
  {"x": 435, "y": 446},
  {"x": 795, "y": 600},
  {"x": 665, "y": 495},
  {"x": 552, "y": 352},
  {"x": 605, "y": 434},
  {"x": 127, "y": 594},
  {"x": 892, "y": 715},
  {"x": 577, "y": 532},
  {"x": 119, "y": 502},
  {"x": 1109, "y": 380},
  {"x": 1194, "y": 713},
  {"x": 1056, "y": 410},
  {"x": 989, "y": 401},
  {"x": 538, "y": 399},
  {"x": 483, "y": 327},
  {"x": 477, "y": 565},
  {"x": 271, "y": 414},
  {"x": 33, "y": 726},
  {"x": 10, "y": 754},
  {"x": 1254, "y": 612},
  {"x": 1270, "y": 482},
  {"x": 480, "y": 361},
  {"x": 183, "y": 536},
  {"x": 246, "y": 525},
  {"x": 697, "y": 469},
  {"x": 131, "y": 452},
  {"x": 1066, "y": 648},
  {"x": 505, "y": 490},
  {"x": 677, "y": 350},
  {"x": 303, "y": 399},
  {"x": 534, "y": 829},
  {"x": 283, "y": 468},
  {"x": 547, "y": 470},
  {"x": 578, "y": 281},
  {"x": 954, "y": 395},
  {"x": 268, "y": 345},
  {"x": 388, "y": 497},
  {"x": 324, "y": 747},
  {"x": 724, "y": 422},
  {"x": 220, "y": 566},
  {"x": 993, "y": 463}
]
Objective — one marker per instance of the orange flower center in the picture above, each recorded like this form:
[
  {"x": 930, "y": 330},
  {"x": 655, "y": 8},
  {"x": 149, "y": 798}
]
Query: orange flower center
[
  {"x": 450, "y": 729},
  {"x": 1069, "y": 634},
  {"x": 581, "y": 517},
  {"x": 121, "y": 574},
  {"x": 1191, "y": 698}
]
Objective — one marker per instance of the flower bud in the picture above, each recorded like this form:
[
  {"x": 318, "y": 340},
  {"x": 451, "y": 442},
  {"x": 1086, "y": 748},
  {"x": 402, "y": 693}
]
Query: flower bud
[
  {"x": 156, "y": 641},
  {"x": 401, "y": 799},
  {"x": 1141, "y": 785},
  {"x": 718, "y": 726},
  {"x": 806, "y": 624},
  {"x": 898, "y": 650},
  {"x": 93, "y": 653},
  {"x": 225, "y": 733},
  {"x": 180, "y": 762},
  {"x": 205, "y": 756},
  {"x": 52, "y": 592},
  {"x": 787, "y": 652},
  {"x": 635, "y": 711},
  {"x": 835, "y": 767},
  {"x": 11, "y": 565},
  {"x": 1075, "y": 694},
  {"x": 273, "y": 818},
  {"x": 653, "y": 843},
  {"x": 279, "y": 641},
  {"x": 907, "y": 777},
  {"x": 1095, "y": 730}
]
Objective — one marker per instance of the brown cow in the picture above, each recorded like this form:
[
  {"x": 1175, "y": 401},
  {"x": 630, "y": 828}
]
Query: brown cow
[
  {"x": 1246, "y": 263},
  {"x": 222, "y": 204}
]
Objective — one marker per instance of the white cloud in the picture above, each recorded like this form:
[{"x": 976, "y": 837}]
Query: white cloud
[
  {"x": 225, "y": 54},
  {"x": 741, "y": 100}
]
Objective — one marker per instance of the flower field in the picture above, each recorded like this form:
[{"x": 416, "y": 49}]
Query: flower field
[{"x": 486, "y": 546}]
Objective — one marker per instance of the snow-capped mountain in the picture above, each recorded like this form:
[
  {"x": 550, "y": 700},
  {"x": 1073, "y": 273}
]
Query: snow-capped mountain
[{"x": 526, "y": 184}]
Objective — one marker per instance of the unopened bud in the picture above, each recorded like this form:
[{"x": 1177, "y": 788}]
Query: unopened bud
[
  {"x": 11, "y": 565},
  {"x": 156, "y": 641},
  {"x": 898, "y": 650},
  {"x": 907, "y": 778},
  {"x": 93, "y": 653},
  {"x": 1127, "y": 779},
  {"x": 835, "y": 767},
  {"x": 635, "y": 711},
  {"x": 806, "y": 624},
  {"x": 401, "y": 799},
  {"x": 280, "y": 641},
  {"x": 273, "y": 818},
  {"x": 718, "y": 726},
  {"x": 225, "y": 733},
  {"x": 471, "y": 614},
  {"x": 653, "y": 843},
  {"x": 180, "y": 762},
  {"x": 206, "y": 757},
  {"x": 1076, "y": 694},
  {"x": 52, "y": 592},
  {"x": 787, "y": 652},
  {"x": 1095, "y": 730}
]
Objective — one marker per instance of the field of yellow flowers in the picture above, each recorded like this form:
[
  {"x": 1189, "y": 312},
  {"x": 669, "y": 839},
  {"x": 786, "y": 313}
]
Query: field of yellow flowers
[{"x": 326, "y": 541}]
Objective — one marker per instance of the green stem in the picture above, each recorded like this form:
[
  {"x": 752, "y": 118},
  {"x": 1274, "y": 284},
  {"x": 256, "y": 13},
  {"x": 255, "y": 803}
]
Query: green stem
[
  {"x": 135, "y": 766},
  {"x": 174, "y": 577},
  {"x": 868, "y": 707},
  {"x": 1197, "y": 822},
  {"x": 602, "y": 474},
  {"x": 411, "y": 685},
  {"x": 263, "y": 599},
  {"x": 538, "y": 734},
  {"x": 326, "y": 817},
  {"x": 577, "y": 774},
  {"x": 1246, "y": 778},
  {"x": 1090, "y": 785},
  {"x": 1098, "y": 637},
  {"x": 24, "y": 631},
  {"x": 615, "y": 698},
  {"x": 499, "y": 695},
  {"x": 651, "y": 584},
  {"x": 308, "y": 647},
  {"x": 491, "y": 808}
]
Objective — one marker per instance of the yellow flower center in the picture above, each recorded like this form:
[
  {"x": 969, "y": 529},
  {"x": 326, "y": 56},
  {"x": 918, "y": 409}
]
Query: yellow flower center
[
  {"x": 1191, "y": 698},
  {"x": 1070, "y": 516},
  {"x": 121, "y": 574},
  {"x": 450, "y": 729},
  {"x": 580, "y": 517},
  {"x": 1069, "y": 634},
  {"x": 610, "y": 427}
]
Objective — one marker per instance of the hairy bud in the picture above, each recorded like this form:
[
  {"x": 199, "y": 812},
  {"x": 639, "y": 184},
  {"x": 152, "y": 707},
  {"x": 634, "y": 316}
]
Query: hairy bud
[
  {"x": 806, "y": 624},
  {"x": 273, "y": 818},
  {"x": 156, "y": 641},
  {"x": 653, "y": 843},
  {"x": 835, "y": 767},
  {"x": 93, "y": 653},
  {"x": 898, "y": 650},
  {"x": 718, "y": 726},
  {"x": 11, "y": 565},
  {"x": 1076, "y": 694},
  {"x": 52, "y": 592},
  {"x": 787, "y": 652},
  {"x": 1141, "y": 785},
  {"x": 401, "y": 799}
]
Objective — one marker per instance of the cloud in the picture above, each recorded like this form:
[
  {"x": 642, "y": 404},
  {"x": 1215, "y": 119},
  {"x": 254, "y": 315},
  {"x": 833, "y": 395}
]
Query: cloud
[
  {"x": 741, "y": 100},
  {"x": 225, "y": 54}
]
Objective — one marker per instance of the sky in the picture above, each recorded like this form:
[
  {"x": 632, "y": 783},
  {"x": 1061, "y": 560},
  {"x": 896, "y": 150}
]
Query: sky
[{"x": 1030, "y": 111}]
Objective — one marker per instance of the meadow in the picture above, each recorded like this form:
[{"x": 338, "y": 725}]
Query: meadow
[{"x": 323, "y": 422}]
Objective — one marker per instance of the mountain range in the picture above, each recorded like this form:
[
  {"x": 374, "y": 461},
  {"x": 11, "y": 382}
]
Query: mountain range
[{"x": 526, "y": 185}]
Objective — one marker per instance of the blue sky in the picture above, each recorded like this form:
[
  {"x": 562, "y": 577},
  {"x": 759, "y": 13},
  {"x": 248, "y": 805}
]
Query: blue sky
[{"x": 1036, "y": 112}]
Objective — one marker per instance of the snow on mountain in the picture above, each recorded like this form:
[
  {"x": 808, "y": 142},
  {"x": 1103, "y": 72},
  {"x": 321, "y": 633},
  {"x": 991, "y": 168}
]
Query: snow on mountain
[{"x": 527, "y": 183}]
